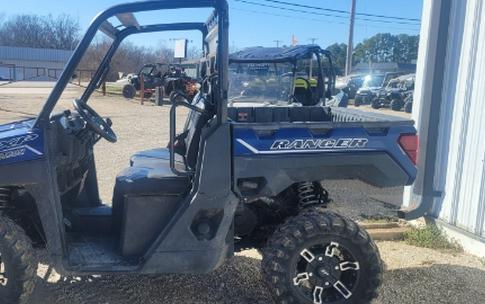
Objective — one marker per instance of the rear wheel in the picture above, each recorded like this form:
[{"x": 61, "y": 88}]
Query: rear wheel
[
  {"x": 321, "y": 257},
  {"x": 375, "y": 104},
  {"x": 357, "y": 101},
  {"x": 408, "y": 107},
  {"x": 17, "y": 268},
  {"x": 396, "y": 104},
  {"x": 129, "y": 91}
]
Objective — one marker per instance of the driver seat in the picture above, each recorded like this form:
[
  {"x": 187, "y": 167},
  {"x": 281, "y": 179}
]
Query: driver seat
[
  {"x": 150, "y": 174},
  {"x": 186, "y": 144}
]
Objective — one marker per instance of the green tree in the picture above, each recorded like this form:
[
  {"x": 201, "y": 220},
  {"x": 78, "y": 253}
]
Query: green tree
[
  {"x": 385, "y": 47},
  {"x": 339, "y": 54}
]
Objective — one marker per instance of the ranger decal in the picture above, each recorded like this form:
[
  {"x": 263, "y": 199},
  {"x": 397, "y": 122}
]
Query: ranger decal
[
  {"x": 316, "y": 144},
  {"x": 17, "y": 141}
]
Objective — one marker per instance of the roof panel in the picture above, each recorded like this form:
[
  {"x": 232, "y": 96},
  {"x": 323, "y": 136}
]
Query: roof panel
[{"x": 274, "y": 54}]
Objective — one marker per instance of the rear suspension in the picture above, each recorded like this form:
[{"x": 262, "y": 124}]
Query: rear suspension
[{"x": 311, "y": 193}]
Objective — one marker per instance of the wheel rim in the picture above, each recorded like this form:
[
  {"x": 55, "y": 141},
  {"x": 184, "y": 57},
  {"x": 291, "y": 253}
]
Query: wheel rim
[
  {"x": 325, "y": 273},
  {"x": 3, "y": 273}
]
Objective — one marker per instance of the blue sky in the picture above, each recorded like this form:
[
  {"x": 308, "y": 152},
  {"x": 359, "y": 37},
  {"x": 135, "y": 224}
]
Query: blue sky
[{"x": 251, "y": 24}]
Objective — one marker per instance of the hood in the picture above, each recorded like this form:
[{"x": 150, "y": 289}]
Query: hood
[
  {"x": 16, "y": 127},
  {"x": 19, "y": 142}
]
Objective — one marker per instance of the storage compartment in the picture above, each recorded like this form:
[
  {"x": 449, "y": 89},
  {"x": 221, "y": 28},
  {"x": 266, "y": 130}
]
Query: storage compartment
[
  {"x": 143, "y": 219},
  {"x": 279, "y": 114}
]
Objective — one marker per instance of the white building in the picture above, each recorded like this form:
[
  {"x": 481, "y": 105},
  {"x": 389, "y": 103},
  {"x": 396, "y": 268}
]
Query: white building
[
  {"x": 449, "y": 108},
  {"x": 19, "y": 63}
]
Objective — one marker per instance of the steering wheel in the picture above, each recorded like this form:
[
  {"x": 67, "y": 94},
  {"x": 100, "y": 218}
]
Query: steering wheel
[{"x": 95, "y": 121}]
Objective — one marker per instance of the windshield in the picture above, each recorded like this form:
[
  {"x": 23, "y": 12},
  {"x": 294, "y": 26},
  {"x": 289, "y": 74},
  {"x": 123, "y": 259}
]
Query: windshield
[
  {"x": 373, "y": 81},
  {"x": 260, "y": 82}
]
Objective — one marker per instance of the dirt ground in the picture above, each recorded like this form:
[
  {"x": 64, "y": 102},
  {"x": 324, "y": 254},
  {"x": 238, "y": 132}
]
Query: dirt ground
[{"x": 413, "y": 275}]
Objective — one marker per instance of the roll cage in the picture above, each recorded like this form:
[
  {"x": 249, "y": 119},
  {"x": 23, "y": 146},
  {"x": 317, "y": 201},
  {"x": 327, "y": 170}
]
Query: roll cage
[
  {"x": 291, "y": 55},
  {"x": 216, "y": 29}
]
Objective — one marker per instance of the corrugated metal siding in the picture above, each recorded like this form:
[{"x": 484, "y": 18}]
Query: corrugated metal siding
[
  {"x": 461, "y": 159},
  {"x": 32, "y": 54}
]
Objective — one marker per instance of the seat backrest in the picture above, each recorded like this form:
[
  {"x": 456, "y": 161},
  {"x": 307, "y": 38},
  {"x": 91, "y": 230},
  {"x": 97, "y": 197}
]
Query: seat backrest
[
  {"x": 303, "y": 93},
  {"x": 194, "y": 124}
]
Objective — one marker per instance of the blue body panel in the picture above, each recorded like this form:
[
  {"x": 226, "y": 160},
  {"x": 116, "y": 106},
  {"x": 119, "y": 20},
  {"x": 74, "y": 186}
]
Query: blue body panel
[
  {"x": 19, "y": 142},
  {"x": 248, "y": 142}
]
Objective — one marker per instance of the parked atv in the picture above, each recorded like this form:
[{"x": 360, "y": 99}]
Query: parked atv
[
  {"x": 245, "y": 177},
  {"x": 373, "y": 84},
  {"x": 350, "y": 84},
  {"x": 152, "y": 78},
  {"x": 168, "y": 77},
  {"x": 395, "y": 94},
  {"x": 389, "y": 98}
]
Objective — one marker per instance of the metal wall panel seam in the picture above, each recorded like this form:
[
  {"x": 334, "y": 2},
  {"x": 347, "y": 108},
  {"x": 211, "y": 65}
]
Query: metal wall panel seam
[
  {"x": 480, "y": 225},
  {"x": 469, "y": 203},
  {"x": 455, "y": 49},
  {"x": 466, "y": 115}
]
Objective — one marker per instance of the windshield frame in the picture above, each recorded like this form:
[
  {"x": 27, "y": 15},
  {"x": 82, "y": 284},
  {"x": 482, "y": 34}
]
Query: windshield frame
[{"x": 218, "y": 21}]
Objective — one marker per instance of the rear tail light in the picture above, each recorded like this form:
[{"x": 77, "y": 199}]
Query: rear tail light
[{"x": 410, "y": 143}]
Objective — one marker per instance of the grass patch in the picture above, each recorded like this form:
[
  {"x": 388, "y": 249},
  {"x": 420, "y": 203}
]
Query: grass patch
[
  {"x": 113, "y": 89},
  {"x": 430, "y": 236},
  {"x": 379, "y": 219}
]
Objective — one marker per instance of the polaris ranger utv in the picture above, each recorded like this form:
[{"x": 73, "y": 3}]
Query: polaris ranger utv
[
  {"x": 223, "y": 181},
  {"x": 301, "y": 75}
]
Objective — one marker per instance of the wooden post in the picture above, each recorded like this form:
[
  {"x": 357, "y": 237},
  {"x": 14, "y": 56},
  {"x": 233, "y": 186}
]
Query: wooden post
[
  {"x": 104, "y": 88},
  {"x": 142, "y": 88},
  {"x": 79, "y": 78}
]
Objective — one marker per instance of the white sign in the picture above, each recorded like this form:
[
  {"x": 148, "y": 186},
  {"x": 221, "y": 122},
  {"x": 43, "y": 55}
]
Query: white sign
[{"x": 180, "y": 48}]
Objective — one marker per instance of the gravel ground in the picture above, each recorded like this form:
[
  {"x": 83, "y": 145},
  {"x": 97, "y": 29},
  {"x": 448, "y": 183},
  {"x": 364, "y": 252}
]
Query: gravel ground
[{"x": 414, "y": 275}]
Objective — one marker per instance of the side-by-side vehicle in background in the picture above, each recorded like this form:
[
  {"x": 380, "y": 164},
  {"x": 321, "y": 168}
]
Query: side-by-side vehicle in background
[
  {"x": 302, "y": 75},
  {"x": 231, "y": 179},
  {"x": 372, "y": 85},
  {"x": 167, "y": 77}
]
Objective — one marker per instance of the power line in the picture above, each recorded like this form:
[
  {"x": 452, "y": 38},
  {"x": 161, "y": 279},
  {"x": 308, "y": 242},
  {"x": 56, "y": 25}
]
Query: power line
[
  {"x": 322, "y": 14},
  {"x": 341, "y": 11},
  {"x": 322, "y": 20}
]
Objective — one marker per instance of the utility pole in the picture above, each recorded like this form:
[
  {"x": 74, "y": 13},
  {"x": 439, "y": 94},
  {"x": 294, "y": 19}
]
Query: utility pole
[
  {"x": 350, "y": 46},
  {"x": 313, "y": 40},
  {"x": 277, "y": 42}
]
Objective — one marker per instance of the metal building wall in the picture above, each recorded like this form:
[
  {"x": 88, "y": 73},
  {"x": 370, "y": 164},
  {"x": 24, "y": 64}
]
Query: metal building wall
[
  {"x": 33, "y": 54},
  {"x": 19, "y": 63},
  {"x": 460, "y": 170}
]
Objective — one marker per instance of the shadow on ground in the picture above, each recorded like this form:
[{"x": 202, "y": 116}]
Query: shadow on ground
[
  {"x": 236, "y": 282},
  {"x": 239, "y": 282}
]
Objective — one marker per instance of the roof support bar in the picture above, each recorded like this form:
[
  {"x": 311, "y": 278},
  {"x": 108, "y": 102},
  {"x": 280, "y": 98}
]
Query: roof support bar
[
  {"x": 107, "y": 28},
  {"x": 128, "y": 20}
]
